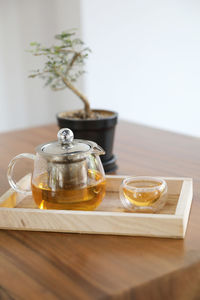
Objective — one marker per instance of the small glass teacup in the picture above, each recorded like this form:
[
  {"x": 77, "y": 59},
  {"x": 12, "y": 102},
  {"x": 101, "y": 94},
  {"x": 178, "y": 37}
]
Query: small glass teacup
[{"x": 143, "y": 194}]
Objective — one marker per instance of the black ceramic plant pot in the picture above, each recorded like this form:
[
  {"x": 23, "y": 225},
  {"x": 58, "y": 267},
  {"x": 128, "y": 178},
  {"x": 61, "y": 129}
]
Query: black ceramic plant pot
[{"x": 100, "y": 131}]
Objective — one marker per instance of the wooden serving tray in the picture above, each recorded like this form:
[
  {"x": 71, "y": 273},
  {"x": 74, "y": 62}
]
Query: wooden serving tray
[{"x": 20, "y": 213}]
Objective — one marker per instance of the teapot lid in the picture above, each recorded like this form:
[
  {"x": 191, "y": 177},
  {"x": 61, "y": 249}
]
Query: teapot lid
[{"x": 67, "y": 147}]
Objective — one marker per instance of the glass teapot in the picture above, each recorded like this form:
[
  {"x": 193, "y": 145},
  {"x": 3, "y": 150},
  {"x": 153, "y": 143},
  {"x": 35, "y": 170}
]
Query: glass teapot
[{"x": 68, "y": 174}]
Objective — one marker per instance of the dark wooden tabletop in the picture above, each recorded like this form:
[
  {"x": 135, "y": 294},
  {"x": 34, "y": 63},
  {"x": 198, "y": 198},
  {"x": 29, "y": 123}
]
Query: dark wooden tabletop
[{"x": 39, "y": 265}]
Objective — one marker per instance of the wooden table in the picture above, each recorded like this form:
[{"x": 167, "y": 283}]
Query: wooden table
[{"x": 38, "y": 265}]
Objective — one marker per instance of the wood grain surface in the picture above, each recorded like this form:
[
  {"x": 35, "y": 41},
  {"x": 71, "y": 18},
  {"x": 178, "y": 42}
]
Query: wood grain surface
[{"x": 39, "y": 265}]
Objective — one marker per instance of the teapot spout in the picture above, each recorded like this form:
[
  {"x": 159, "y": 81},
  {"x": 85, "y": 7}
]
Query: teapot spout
[{"x": 98, "y": 150}]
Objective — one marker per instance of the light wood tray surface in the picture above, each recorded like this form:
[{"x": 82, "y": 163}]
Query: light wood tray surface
[{"x": 20, "y": 213}]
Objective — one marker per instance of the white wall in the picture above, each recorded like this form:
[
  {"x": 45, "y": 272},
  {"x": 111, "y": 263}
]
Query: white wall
[
  {"x": 146, "y": 60},
  {"x": 23, "y": 101}
]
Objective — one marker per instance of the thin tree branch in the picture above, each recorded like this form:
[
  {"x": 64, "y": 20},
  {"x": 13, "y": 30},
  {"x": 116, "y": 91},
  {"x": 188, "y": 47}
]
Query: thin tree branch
[
  {"x": 58, "y": 89},
  {"x": 75, "y": 56},
  {"x": 79, "y": 94},
  {"x": 65, "y": 51},
  {"x": 39, "y": 73}
]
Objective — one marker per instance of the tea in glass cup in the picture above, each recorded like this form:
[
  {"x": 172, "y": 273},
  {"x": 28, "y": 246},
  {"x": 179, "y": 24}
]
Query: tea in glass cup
[{"x": 143, "y": 194}]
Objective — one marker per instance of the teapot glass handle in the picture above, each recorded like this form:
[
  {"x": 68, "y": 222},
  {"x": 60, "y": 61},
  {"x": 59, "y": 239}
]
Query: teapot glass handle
[{"x": 11, "y": 165}]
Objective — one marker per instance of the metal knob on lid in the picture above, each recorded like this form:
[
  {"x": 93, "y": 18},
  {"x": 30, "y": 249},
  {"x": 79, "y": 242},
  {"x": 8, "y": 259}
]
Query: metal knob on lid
[{"x": 65, "y": 136}]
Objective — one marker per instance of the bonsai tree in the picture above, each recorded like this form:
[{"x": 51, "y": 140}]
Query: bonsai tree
[{"x": 64, "y": 64}]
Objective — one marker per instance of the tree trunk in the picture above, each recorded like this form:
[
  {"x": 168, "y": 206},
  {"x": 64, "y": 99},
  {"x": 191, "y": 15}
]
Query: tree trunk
[{"x": 87, "y": 109}]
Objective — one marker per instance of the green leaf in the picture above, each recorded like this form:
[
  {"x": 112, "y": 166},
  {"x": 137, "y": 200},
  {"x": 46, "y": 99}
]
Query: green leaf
[
  {"x": 32, "y": 76},
  {"x": 64, "y": 35},
  {"x": 35, "y": 44},
  {"x": 49, "y": 80},
  {"x": 77, "y": 42}
]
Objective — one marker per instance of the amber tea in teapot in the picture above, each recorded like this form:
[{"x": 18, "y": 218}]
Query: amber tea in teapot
[
  {"x": 68, "y": 174},
  {"x": 82, "y": 198}
]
